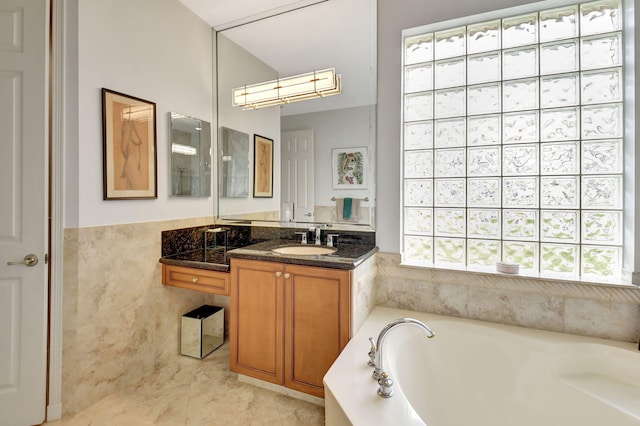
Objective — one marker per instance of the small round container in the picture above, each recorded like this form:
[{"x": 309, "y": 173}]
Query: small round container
[{"x": 507, "y": 268}]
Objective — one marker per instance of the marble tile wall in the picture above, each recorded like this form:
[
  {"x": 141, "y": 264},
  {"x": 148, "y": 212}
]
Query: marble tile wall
[
  {"x": 119, "y": 322},
  {"x": 609, "y": 312},
  {"x": 363, "y": 292}
]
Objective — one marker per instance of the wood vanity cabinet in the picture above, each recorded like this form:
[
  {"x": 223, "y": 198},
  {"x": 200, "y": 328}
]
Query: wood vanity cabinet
[
  {"x": 214, "y": 282},
  {"x": 288, "y": 323}
]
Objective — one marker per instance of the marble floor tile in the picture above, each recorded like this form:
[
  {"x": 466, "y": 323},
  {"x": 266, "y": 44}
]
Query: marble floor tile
[{"x": 192, "y": 392}]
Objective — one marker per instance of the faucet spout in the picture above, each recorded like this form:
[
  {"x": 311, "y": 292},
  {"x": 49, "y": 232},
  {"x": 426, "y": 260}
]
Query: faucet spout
[{"x": 378, "y": 372}]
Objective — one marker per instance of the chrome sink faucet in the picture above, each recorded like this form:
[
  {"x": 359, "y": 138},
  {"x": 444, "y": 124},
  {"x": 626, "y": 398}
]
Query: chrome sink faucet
[
  {"x": 318, "y": 231},
  {"x": 375, "y": 354}
]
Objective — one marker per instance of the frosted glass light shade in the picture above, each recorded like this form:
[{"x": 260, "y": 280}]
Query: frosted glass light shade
[{"x": 300, "y": 87}]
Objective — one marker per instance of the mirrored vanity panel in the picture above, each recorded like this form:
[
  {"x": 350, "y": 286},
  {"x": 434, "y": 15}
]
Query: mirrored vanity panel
[
  {"x": 324, "y": 149},
  {"x": 190, "y": 156}
]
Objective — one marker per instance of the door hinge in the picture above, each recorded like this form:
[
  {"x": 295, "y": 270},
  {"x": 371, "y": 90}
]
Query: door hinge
[{"x": 46, "y": 258}]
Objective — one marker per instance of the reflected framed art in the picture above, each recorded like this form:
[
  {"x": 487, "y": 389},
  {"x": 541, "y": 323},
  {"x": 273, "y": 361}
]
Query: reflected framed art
[{"x": 262, "y": 167}]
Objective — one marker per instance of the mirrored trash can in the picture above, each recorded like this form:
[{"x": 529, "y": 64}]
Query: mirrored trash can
[{"x": 202, "y": 331}]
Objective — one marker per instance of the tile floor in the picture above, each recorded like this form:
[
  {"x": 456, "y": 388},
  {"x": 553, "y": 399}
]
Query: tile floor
[{"x": 196, "y": 392}]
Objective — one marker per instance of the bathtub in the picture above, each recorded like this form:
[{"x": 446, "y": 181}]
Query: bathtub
[{"x": 483, "y": 374}]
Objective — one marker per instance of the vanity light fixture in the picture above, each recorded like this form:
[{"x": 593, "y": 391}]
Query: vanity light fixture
[{"x": 316, "y": 84}]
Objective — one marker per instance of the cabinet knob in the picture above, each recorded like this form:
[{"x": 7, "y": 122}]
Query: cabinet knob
[
  {"x": 287, "y": 275},
  {"x": 194, "y": 280},
  {"x": 278, "y": 274}
]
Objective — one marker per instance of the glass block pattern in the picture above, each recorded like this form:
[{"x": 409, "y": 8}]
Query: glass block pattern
[
  {"x": 484, "y": 192},
  {"x": 450, "y": 222},
  {"x": 559, "y": 226},
  {"x": 484, "y": 223},
  {"x": 512, "y": 142},
  {"x": 418, "y": 221},
  {"x": 450, "y": 251},
  {"x": 483, "y": 253},
  {"x": 559, "y": 258},
  {"x": 520, "y": 225}
]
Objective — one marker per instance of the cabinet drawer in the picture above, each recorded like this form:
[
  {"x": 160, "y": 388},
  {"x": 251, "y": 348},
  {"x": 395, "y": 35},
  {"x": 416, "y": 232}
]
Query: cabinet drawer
[{"x": 214, "y": 282}]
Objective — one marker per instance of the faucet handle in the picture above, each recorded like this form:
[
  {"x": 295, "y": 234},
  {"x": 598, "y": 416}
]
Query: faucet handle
[
  {"x": 372, "y": 353},
  {"x": 386, "y": 383},
  {"x": 304, "y": 237}
]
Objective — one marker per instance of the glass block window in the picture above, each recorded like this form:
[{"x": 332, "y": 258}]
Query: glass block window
[{"x": 512, "y": 142}]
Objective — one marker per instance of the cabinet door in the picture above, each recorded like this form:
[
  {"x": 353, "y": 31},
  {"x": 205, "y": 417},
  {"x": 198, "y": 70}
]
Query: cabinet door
[
  {"x": 317, "y": 323},
  {"x": 256, "y": 320}
]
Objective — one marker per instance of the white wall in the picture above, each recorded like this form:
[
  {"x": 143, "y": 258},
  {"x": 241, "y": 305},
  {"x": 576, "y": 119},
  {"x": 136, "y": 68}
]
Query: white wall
[{"x": 166, "y": 58}]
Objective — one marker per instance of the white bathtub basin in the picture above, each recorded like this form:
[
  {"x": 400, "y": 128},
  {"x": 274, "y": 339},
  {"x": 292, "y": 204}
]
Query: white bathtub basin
[{"x": 483, "y": 374}]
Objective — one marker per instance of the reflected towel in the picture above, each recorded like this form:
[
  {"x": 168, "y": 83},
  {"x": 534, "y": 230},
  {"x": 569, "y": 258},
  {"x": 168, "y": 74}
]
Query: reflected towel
[
  {"x": 341, "y": 206},
  {"x": 347, "y": 205}
]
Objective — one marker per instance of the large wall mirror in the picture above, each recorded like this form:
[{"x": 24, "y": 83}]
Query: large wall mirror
[{"x": 319, "y": 145}]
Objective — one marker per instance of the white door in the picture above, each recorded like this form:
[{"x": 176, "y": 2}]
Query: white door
[
  {"x": 297, "y": 173},
  {"x": 24, "y": 29}
]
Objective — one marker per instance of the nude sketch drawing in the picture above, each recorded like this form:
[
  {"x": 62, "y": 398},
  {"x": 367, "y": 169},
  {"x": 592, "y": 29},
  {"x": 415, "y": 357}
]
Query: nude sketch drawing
[
  {"x": 130, "y": 147},
  {"x": 264, "y": 165}
]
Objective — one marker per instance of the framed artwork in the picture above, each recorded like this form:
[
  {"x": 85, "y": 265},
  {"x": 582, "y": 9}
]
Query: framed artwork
[
  {"x": 262, "y": 167},
  {"x": 349, "y": 168},
  {"x": 129, "y": 147}
]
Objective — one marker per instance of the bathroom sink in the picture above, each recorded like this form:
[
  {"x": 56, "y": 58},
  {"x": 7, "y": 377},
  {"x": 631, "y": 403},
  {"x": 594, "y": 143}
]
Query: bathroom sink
[{"x": 304, "y": 250}]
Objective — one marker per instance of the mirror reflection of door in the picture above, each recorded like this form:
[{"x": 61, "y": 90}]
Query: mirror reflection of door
[{"x": 297, "y": 173}]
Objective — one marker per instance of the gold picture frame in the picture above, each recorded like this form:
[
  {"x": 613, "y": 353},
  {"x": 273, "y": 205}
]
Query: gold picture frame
[
  {"x": 262, "y": 167},
  {"x": 129, "y": 147}
]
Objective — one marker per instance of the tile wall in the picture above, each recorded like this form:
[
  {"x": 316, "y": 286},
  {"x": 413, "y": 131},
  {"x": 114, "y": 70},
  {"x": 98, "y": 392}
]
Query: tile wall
[
  {"x": 119, "y": 321},
  {"x": 610, "y": 312}
]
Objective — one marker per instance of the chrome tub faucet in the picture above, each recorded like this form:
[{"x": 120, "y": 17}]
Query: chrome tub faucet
[{"x": 376, "y": 351}]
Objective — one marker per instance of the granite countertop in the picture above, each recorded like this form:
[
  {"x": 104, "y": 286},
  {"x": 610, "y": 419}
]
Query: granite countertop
[
  {"x": 211, "y": 259},
  {"x": 348, "y": 256}
]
